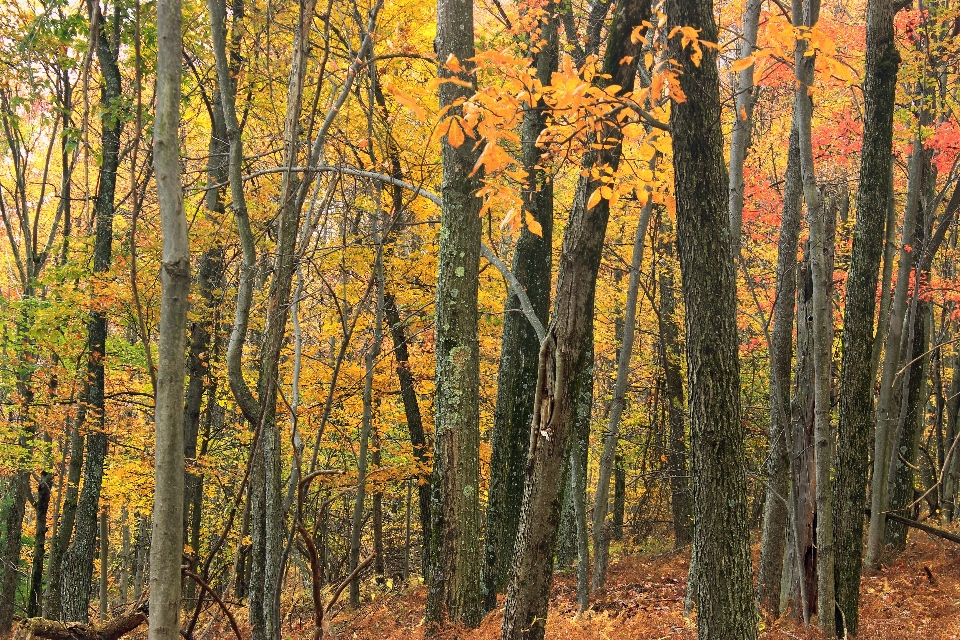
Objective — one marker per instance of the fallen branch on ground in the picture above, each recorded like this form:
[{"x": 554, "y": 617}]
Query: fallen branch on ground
[{"x": 30, "y": 628}]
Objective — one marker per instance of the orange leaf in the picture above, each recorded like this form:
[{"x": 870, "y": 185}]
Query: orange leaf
[{"x": 455, "y": 134}]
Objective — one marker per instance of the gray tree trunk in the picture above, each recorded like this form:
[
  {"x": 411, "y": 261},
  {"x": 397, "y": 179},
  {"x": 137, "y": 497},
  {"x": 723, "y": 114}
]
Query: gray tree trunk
[
  {"x": 601, "y": 537},
  {"x": 887, "y": 409},
  {"x": 775, "y": 511},
  {"x": 822, "y": 227},
  {"x": 743, "y": 123},
  {"x": 166, "y": 547},
  {"x": 52, "y": 602}
]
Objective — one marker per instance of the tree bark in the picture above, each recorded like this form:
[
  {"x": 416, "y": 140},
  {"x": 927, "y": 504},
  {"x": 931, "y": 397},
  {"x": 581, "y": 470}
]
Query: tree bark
[
  {"x": 52, "y": 630},
  {"x": 681, "y": 500},
  {"x": 35, "y": 598},
  {"x": 775, "y": 510},
  {"x": 856, "y": 381},
  {"x": 721, "y": 536},
  {"x": 166, "y": 547},
  {"x": 15, "y": 503},
  {"x": 563, "y": 357},
  {"x": 411, "y": 410},
  {"x": 52, "y": 602},
  {"x": 743, "y": 123},
  {"x": 532, "y": 266},
  {"x": 367, "y": 420},
  {"x": 455, "y": 551},
  {"x": 822, "y": 226},
  {"x": 887, "y": 408},
  {"x": 77, "y": 563}
]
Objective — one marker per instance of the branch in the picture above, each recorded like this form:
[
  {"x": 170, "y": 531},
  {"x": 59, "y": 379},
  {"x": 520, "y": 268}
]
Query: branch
[{"x": 435, "y": 199}]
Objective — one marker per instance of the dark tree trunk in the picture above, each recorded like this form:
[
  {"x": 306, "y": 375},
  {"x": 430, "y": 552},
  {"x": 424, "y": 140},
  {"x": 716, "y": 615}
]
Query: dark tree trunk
[
  {"x": 803, "y": 488},
  {"x": 568, "y": 537},
  {"x": 681, "y": 500},
  {"x": 532, "y": 265},
  {"x": 77, "y": 564},
  {"x": 52, "y": 600},
  {"x": 10, "y": 542},
  {"x": 856, "y": 370},
  {"x": 721, "y": 546},
  {"x": 411, "y": 410},
  {"x": 902, "y": 496},
  {"x": 563, "y": 357},
  {"x": 455, "y": 551},
  {"x": 34, "y": 600}
]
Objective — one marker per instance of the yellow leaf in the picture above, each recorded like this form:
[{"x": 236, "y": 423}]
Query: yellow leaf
[
  {"x": 594, "y": 199},
  {"x": 407, "y": 102},
  {"x": 742, "y": 63},
  {"x": 534, "y": 226}
]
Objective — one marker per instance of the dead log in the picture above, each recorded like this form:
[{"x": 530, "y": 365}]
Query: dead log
[
  {"x": 31, "y": 628},
  {"x": 926, "y": 528}
]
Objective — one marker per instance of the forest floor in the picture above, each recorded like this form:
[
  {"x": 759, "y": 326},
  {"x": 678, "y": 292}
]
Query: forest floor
[{"x": 917, "y": 596}]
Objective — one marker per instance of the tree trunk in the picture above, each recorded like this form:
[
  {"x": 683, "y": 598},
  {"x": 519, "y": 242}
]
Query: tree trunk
[
  {"x": 619, "y": 498},
  {"x": 42, "y": 504},
  {"x": 455, "y": 551},
  {"x": 681, "y": 500},
  {"x": 601, "y": 537},
  {"x": 532, "y": 266},
  {"x": 822, "y": 226},
  {"x": 52, "y": 602},
  {"x": 856, "y": 381},
  {"x": 13, "y": 511},
  {"x": 77, "y": 563},
  {"x": 888, "y": 409},
  {"x": 803, "y": 470},
  {"x": 166, "y": 547},
  {"x": 104, "y": 576},
  {"x": 367, "y": 421},
  {"x": 743, "y": 123},
  {"x": 721, "y": 548},
  {"x": 563, "y": 357},
  {"x": 950, "y": 479},
  {"x": 901, "y": 485},
  {"x": 411, "y": 410},
  {"x": 775, "y": 510}
]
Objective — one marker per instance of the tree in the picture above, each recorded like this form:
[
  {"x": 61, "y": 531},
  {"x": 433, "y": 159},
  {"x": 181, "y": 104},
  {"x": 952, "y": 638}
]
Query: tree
[
  {"x": 563, "y": 354},
  {"x": 856, "y": 379},
  {"x": 77, "y": 562},
  {"x": 721, "y": 538},
  {"x": 166, "y": 548},
  {"x": 455, "y": 529},
  {"x": 520, "y": 345}
]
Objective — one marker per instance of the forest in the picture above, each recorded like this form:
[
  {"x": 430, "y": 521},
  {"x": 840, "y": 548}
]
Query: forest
[{"x": 479, "y": 319}]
